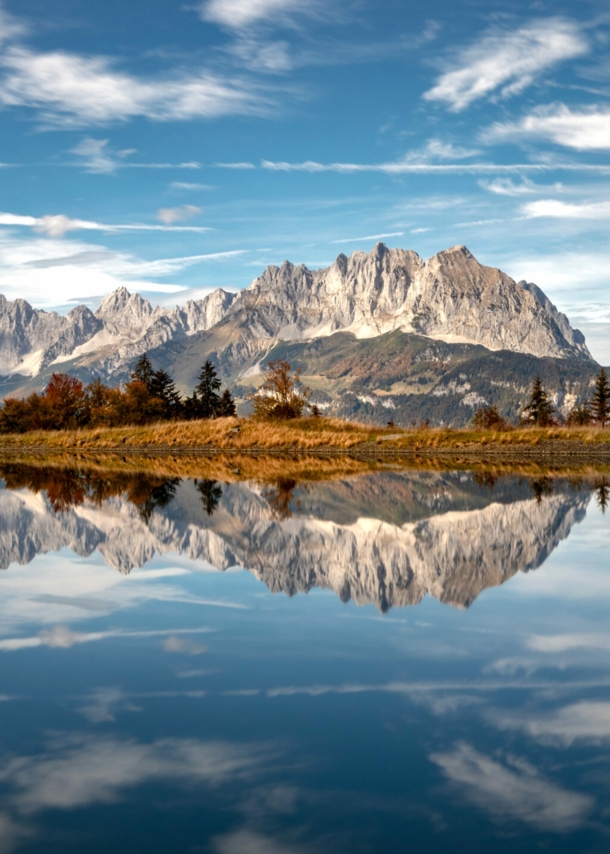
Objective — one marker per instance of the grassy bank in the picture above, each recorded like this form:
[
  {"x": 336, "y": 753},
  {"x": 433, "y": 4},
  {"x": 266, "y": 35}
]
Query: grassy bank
[{"x": 310, "y": 435}]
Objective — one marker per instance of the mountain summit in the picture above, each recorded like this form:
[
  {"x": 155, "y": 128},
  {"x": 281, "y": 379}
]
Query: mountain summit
[
  {"x": 450, "y": 297},
  {"x": 385, "y": 327}
]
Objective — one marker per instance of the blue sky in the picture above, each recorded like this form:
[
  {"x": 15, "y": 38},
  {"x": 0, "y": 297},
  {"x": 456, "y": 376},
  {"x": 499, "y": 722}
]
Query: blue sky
[{"x": 175, "y": 148}]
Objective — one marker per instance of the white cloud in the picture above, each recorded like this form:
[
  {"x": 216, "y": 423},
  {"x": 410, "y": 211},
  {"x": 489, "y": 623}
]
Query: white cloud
[
  {"x": 177, "y": 644},
  {"x": 10, "y": 28},
  {"x": 369, "y": 237},
  {"x": 585, "y": 721},
  {"x": 514, "y": 791},
  {"x": 583, "y": 130},
  {"x": 240, "y": 165},
  {"x": 249, "y": 842},
  {"x": 56, "y": 225},
  {"x": 70, "y": 90},
  {"x": 52, "y": 272},
  {"x": 507, "y": 61},
  {"x": 565, "y": 642},
  {"x": 507, "y": 187},
  {"x": 240, "y": 14},
  {"x": 170, "y": 215},
  {"x": 407, "y": 165},
  {"x": 83, "y": 771},
  {"x": 436, "y": 149},
  {"x": 184, "y": 185},
  {"x": 97, "y": 157},
  {"x": 61, "y": 637},
  {"x": 565, "y": 210},
  {"x": 95, "y": 154},
  {"x": 563, "y": 271}
]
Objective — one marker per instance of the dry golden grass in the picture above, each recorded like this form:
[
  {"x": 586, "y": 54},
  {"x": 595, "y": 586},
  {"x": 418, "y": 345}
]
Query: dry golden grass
[
  {"x": 227, "y": 468},
  {"x": 304, "y": 468},
  {"x": 307, "y": 434}
]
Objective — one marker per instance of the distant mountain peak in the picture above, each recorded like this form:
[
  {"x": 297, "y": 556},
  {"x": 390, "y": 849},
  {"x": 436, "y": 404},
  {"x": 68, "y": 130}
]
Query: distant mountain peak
[{"x": 451, "y": 297}]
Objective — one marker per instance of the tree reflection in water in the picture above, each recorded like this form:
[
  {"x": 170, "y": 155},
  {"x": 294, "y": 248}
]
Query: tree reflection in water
[
  {"x": 210, "y": 492},
  {"x": 67, "y": 488},
  {"x": 279, "y": 495},
  {"x": 602, "y": 494}
]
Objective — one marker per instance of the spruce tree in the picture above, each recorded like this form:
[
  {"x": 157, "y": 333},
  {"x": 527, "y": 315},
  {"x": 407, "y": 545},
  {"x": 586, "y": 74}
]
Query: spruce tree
[
  {"x": 143, "y": 371},
  {"x": 206, "y": 391},
  {"x": 539, "y": 410},
  {"x": 600, "y": 402},
  {"x": 226, "y": 405},
  {"x": 162, "y": 386}
]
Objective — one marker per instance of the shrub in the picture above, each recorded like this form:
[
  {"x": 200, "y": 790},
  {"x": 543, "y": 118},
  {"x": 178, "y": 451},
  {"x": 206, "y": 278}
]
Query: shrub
[
  {"x": 580, "y": 416},
  {"x": 488, "y": 418}
]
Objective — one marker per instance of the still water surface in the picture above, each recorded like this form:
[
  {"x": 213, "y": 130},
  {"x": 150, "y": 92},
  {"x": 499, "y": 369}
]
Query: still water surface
[{"x": 398, "y": 661}]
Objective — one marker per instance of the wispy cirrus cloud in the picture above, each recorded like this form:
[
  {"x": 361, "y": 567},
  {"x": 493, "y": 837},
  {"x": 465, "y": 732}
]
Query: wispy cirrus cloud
[
  {"x": 188, "y": 186},
  {"x": 513, "y": 791},
  {"x": 586, "y": 721},
  {"x": 53, "y": 272},
  {"x": 60, "y": 637},
  {"x": 586, "y": 129},
  {"x": 83, "y": 771},
  {"x": 240, "y": 14},
  {"x": 71, "y": 91},
  {"x": 506, "y": 62},
  {"x": 98, "y": 157},
  {"x": 407, "y": 166},
  {"x": 369, "y": 237},
  {"x": 168, "y": 216},
  {"x": 507, "y": 187},
  {"x": 56, "y": 225},
  {"x": 566, "y": 210}
]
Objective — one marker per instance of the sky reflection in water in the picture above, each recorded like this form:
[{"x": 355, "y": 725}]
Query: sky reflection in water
[{"x": 444, "y": 682}]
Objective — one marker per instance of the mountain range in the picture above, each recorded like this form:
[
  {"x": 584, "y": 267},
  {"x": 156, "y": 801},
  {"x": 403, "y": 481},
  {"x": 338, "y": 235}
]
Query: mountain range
[{"x": 378, "y": 336}]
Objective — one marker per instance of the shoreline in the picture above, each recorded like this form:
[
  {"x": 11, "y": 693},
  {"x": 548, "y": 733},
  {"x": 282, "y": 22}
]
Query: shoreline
[{"x": 316, "y": 438}]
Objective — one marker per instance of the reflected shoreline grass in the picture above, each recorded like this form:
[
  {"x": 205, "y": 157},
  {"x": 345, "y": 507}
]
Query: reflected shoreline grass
[{"x": 236, "y": 466}]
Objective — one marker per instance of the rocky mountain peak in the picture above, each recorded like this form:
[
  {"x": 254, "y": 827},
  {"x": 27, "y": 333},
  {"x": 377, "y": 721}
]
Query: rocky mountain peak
[
  {"x": 121, "y": 311},
  {"x": 451, "y": 297}
]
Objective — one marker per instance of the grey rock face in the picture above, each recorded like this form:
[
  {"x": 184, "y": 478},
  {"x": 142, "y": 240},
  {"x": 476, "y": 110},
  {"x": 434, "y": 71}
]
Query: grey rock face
[
  {"x": 124, "y": 326},
  {"x": 450, "y": 297}
]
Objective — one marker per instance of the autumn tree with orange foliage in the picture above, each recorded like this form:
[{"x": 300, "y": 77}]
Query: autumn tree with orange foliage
[{"x": 282, "y": 395}]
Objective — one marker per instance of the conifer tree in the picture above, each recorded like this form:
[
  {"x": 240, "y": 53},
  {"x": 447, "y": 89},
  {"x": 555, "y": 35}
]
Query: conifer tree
[
  {"x": 143, "y": 371},
  {"x": 206, "y": 391},
  {"x": 162, "y": 386},
  {"x": 539, "y": 410},
  {"x": 226, "y": 405},
  {"x": 600, "y": 402}
]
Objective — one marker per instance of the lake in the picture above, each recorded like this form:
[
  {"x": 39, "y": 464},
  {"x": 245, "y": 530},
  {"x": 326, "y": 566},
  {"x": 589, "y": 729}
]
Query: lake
[{"x": 386, "y": 661}]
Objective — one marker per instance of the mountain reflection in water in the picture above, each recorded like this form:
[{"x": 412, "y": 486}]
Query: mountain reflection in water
[
  {"x": 388, "y": 538},
  {"x": 172, "y": 707}
]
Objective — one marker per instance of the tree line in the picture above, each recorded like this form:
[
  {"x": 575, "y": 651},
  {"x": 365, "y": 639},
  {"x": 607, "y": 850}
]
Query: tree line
[
  {"x": 149, "y": 396},
  {"x": 541, "y": 412}
]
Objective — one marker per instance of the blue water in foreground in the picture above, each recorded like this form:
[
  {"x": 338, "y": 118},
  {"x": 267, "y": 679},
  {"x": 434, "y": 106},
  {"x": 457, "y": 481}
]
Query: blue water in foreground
[{"x": 415, "y": 662}]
